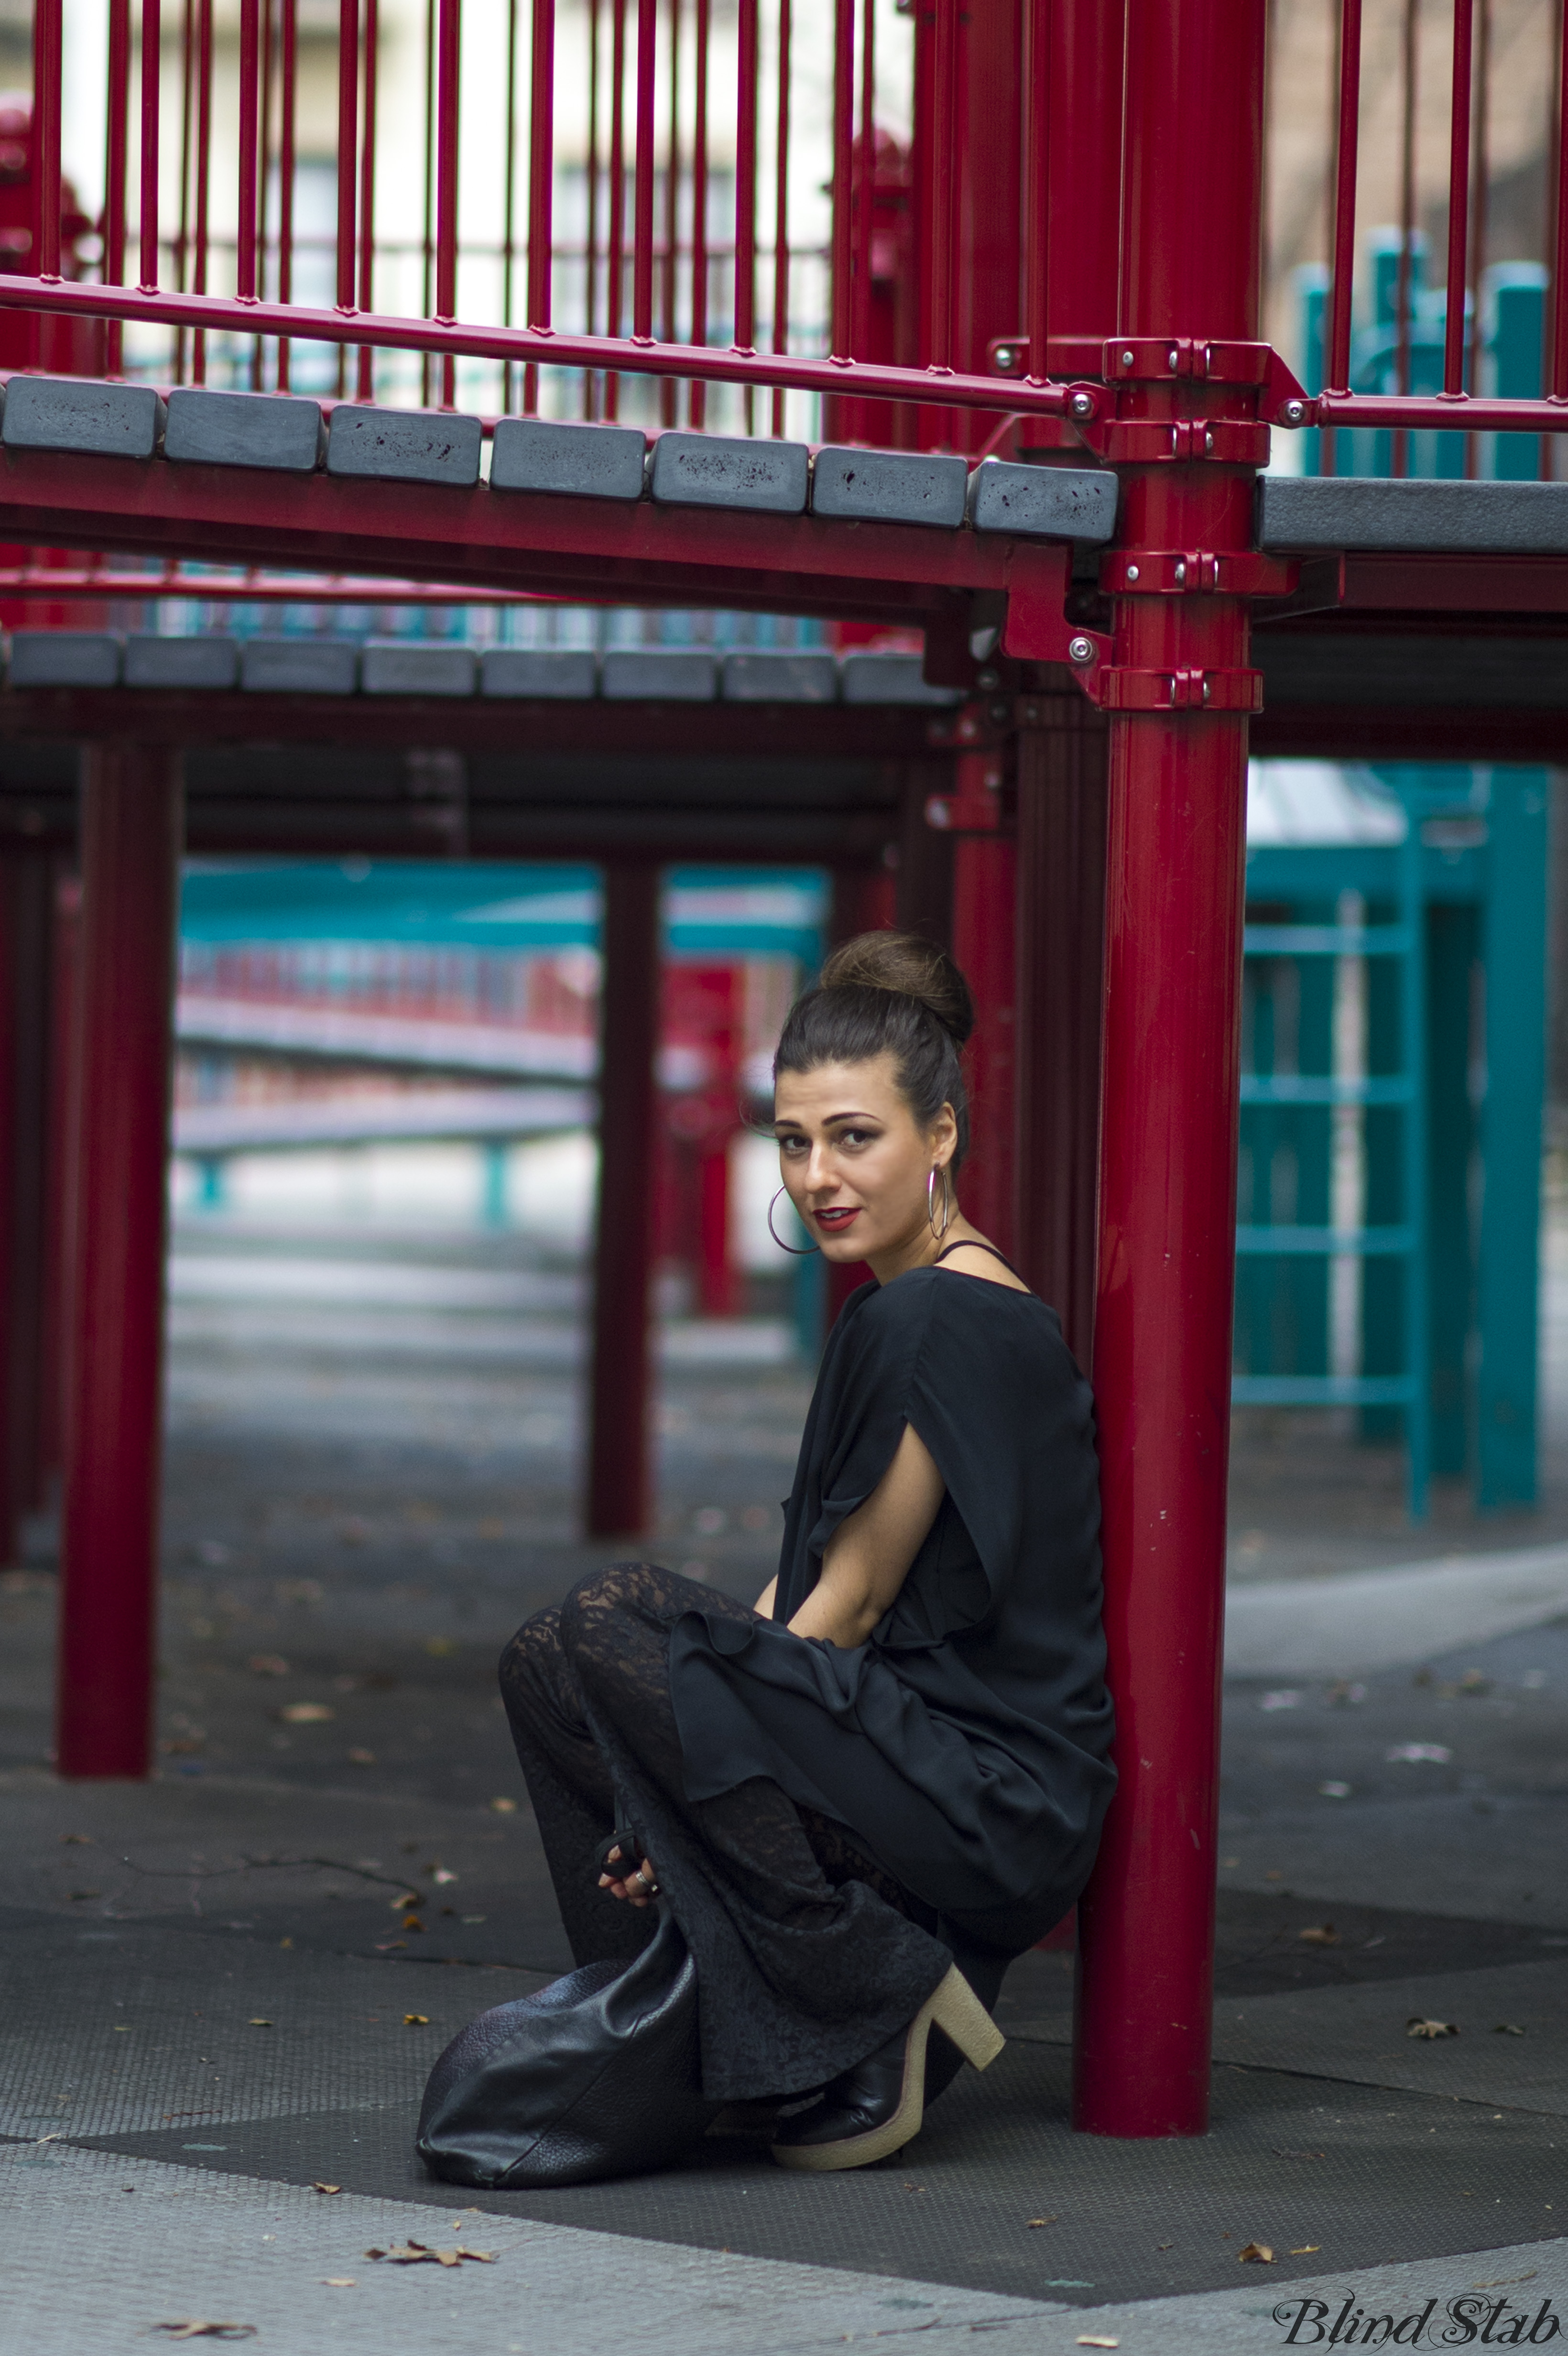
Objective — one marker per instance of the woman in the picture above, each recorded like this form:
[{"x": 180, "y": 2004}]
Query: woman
[{"x": 861, "y": 1800}]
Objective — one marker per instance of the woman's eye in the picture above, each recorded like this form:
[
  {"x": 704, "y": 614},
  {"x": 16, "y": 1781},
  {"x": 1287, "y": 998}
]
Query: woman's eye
[
  {"x": 855, "y": 1137},
  {"x": 792, "y": 1145}
]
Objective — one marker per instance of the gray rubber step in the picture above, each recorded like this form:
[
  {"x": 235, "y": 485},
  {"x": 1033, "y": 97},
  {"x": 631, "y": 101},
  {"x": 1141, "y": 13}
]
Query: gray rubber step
[
  {"x": 404, "y": 446},
  {"x": 64, "y": 658},
  {"x": 583, "y": 462},
  {"x": 555, "y": 672},
  {"x": 776, "y": 674},
  {"x": 870, "y": 676},
  {"x": 209, "y": 663},
  {"x": 1349, "y": 511},
  {"x": 274, "y": 430},
  {"x": 1044, "y": 502},
  {"x": 417, "y": 667},
  {"x": 710, "y": 470},
  {"x": 659, "y": 675},
  {"x": 890, "y": 486},
  {"x": 64, "y": 412},
  {"x": 299, "y": 666}
]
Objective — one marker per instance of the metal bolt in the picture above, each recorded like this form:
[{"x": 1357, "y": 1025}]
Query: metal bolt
[
  {"x": 1182, "y": 575},
  {"x": 1004, "y": 357},
  {"x": 1171, "y": 360},
  {"x": 1080, "y": 650},
  {"x": 1294, "y": 412},
  {"x": 998, "y": 715},
  {"x": 1208, "y": 442},
  {"x": 1082, "y": 405},
  {"x": 1126, "y": 359},
  {"x": 1132, "y": 573},
  {"x": 987, "y": 679},
  {"x": 1205, "y": 690}
]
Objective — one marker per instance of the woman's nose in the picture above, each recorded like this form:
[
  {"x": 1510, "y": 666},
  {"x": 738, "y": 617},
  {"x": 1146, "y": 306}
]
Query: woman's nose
[{"x": 819, "y": 1171}]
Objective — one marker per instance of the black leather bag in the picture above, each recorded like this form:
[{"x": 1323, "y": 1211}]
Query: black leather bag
[{"x": 597, "y": 2075}]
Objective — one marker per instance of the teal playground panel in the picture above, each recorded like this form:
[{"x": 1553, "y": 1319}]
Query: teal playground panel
[{"x": 1400, "y": 987}]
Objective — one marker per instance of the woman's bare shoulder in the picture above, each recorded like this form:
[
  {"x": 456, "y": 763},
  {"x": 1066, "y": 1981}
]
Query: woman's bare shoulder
[{"x": 978, "y": 1258}]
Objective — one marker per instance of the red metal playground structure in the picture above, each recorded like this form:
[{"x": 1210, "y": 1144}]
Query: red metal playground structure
[{"x": 1035, "y": 434}]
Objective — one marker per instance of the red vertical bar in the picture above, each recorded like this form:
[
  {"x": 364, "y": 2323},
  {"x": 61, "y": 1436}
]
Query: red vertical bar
[
  {"x": 858, "y": 330},
  {"x": 669, "y": 390},
  {"x": 590, "y": 252},
  {"x": 26, "y": 891},
  {"x": 1337, "y": 353},
  {"x": 249, "y": 103},
  {"x": 65, "y": 968},
  {"x": 509, "y": 208},
  {"x": 130, "y": 847},
  {"x": 115, "y": 165},
  {"x": 288, "y": 61},
  {"x": 616, "y": 256},
  {"x": 984, "y": 874},
  {"x": 541, "y": 179},
  {"x": 203, "y": 181},
  {"x": 1171, "y": 1079},
  {"x": 188, "y": 115},
  {"x": 642, "y": 194},
  {"x": 781, "y": 198},
  {"x": 427, "y": 291},
  {"x": 152, "y": 66},
  {"x": 1479, "y": 167},
  {"x": 1038, "y": 30},
  {"x": 620, "y": 1383},
  {"x": 746, "y": 175},
  {"x": 842, "y": 328},
  {"x": 1458, "y": 197},
  {"x": 1403, "y": 306},
  {"x": 1559, "y": 227},
  {"x": 449, "y": 35},
  {"x": 347, "y": 146},
  {"x": 698, "y": 400},
  {"x": 48, "y": 28},
  {"x": 945, "y": 184},
  {"x": 366, "y": 365}
]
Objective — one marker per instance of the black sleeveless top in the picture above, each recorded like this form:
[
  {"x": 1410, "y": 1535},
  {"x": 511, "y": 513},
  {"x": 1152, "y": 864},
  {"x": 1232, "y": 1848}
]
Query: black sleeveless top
[{"x": 966, "y": 1742}]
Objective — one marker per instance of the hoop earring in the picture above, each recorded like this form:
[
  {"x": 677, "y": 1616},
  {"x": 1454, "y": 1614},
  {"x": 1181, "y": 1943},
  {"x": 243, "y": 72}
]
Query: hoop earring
[
  {"x": 930, "y": 1205},
  {"x": 796, "y": 1251}
]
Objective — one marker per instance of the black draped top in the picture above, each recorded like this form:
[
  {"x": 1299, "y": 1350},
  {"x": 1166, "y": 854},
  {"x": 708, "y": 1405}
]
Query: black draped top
[{"x": 967, "y": 1743}]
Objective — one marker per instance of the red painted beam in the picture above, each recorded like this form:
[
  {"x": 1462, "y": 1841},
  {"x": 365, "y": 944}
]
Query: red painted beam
[
  {"x": 115, "y": 1290},
  {"x": 599, "y": 548},
  {"x": 619, "y": 1502},
  {"x": 26, "y": 891}
]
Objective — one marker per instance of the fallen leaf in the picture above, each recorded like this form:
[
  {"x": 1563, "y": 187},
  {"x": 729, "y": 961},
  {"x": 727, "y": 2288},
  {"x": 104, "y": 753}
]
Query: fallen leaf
[
  {"x": 401, "y": 1905},
  {"x": 257, "y": 2022},
  {"x": 305, "y": 1713},
  {"x": 505, "y": 1807},
  {"x": 1436, "y": 1754},
  {"x": 416, "y": 2254},
  {"x": 267, "y": 1665},
  {"x": 1416, "y": 2027},
  {"x": 360, "y": 1757},
  {"x": 416, "y": 2020},
  {"x": 1334, "y": 1790},
  {"x": 1506, "y": 2029},
  {"x": 1255, "y": 2253},
  {"x": 443, "y": 1874},
  {"x": 196, "y": 2327},
  {"x": 286, "y": 1942},
  {"x": 338, "y": 2282},
  {"x": 412, "y": 1922},
  {"x": 389, "y": 1946},
  {"x": 76, "y": 1840},
  {"x": 471, "y": 1918},
  {"x": 1306, "y": 2250},
  {"x": 1041, "y": 2220},
  {"x": 438, "y": 1647},
  {"x": 1319, "y": 1934},
  {"x": 1096, "y": 2340},
  {"x": 1273, "y": 1874},
  {"x": 326, "y": 2187}
]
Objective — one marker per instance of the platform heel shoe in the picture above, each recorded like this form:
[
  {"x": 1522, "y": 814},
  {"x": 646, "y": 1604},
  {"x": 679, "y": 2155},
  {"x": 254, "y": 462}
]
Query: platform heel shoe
[{"x": 875, "y": 2107}]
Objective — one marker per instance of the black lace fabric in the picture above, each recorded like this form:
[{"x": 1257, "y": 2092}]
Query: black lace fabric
[{"x": 808, "y": 1953}]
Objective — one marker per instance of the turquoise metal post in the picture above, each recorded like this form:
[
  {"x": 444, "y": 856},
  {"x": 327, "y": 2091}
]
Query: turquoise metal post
[
  {"x": 1413, "y": 1140},
  {"x": 1510, "y": 1137},
  {"x": 1451, "y": 931}
]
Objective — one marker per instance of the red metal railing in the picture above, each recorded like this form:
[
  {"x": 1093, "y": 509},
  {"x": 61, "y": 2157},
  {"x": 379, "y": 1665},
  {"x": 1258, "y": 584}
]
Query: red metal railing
[
  {"x": 709, "y": 184},
  {"x": 1474, "y": 97}
]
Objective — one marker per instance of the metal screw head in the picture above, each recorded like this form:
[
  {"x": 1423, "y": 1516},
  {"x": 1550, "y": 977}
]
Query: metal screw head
[
  {"x": 1170, "y": 360},
  {"x": 1126, "y": 359},
  {"x": 987, "y": 680},
  {"x": 1005, "y": 356},
  {"x": 1080, "y": 650},
  {"x": 1132, "y": 573},
  {"x": 1182, "y": 575},
  {"x": 1294, "y": 412},
  {"x": 1082, "y": 405},
  {"x": 1208, "y": 442}
]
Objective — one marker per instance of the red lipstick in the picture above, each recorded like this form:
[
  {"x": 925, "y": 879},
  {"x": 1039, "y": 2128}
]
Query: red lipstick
[{"x": 835, "y": 1221}]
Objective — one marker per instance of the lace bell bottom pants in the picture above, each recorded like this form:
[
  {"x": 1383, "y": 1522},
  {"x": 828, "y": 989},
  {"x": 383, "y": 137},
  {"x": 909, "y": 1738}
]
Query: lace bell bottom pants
[{"x": 808, "y": 1953}]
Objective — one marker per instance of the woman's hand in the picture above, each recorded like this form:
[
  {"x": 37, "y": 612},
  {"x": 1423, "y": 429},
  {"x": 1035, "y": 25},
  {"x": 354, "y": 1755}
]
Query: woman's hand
[
  {"x": 869, "y": 1556},
  {"x": 636, "y": 1887}
]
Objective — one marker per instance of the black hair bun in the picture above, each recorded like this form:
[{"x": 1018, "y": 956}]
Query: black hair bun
[{"x": 916, "y": 969}]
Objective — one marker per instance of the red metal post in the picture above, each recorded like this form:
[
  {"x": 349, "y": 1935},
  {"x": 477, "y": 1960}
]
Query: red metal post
[
  {"x": 1175, "y": 864},
  {"x": 642, "y": 175},
  {"x": 249, "y": 125},
  {"x": 1458, "y": 197},
  {"x": 1060, "y": 952},
  {"x": 26, "y": 886},
  {"x": 449, "y": 37},
  {"x": 131, "y": 817},
  {"x": 620, "y": 1379},
  {"x": 64, "y": 978},
  {"x": 48, "y": 27},
  {"x": 365, "y": 371},
  {"x": 1337, "y": 351},
  {"x": 985, "y": 883},
  {"x": 152, "y": 69}
]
